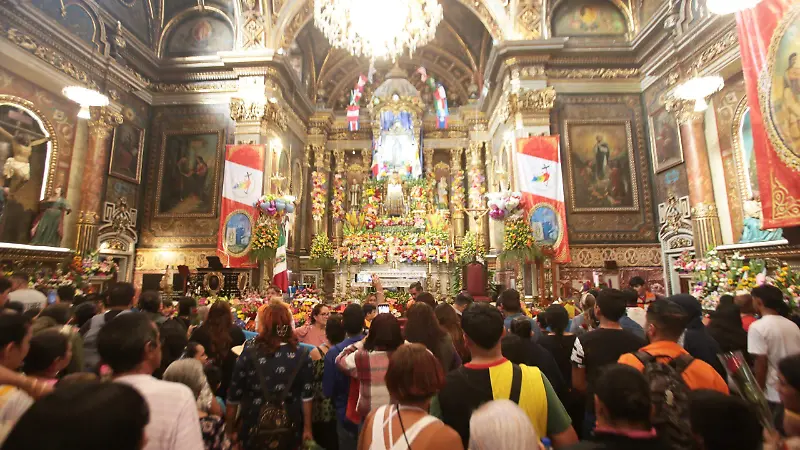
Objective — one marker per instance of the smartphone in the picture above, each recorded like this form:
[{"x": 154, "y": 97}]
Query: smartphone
[
  {"x": 52, "y": 296},
  {"x": 363, "y": 278},
  {"x": 383, "y": 308}
]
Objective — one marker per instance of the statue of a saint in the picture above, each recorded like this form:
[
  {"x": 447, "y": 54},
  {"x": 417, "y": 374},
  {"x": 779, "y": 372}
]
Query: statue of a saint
[
  {"x": 441, "y": 194},
  {"x": 18, "y": 166},
  {"x": 395, "y": 202},
  {"x": 753, "y": 218},
  {"x": 48, "y": 227}
]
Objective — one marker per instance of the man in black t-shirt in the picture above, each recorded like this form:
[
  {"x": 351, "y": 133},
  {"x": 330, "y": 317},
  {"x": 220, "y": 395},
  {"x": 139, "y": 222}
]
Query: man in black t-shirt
[{"x": 601, "y": 347}]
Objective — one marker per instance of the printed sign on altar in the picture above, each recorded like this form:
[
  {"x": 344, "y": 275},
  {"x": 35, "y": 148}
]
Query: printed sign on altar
[
  {"x": 538, "y": 164},
  {"x": 242, "y": 184}
]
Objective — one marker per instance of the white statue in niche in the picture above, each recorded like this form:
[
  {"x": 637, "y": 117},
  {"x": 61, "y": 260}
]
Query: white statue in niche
[
  {"x": 398, "y": 152},
  {"x": 395, "y": 202},
  {"x": 441, "y": 194}
]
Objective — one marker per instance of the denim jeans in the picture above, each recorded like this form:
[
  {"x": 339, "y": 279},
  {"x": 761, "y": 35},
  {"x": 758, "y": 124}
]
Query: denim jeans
[{"x": 348, "y": 440}]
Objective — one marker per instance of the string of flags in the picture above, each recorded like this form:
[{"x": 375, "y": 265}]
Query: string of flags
[
  {"x": 353, "y": 110},
  {"x": 439, "y": 96}
]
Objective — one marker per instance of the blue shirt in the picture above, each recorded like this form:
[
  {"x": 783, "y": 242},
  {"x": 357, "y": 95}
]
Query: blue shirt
[
  {"x": 537, "y": 332},
  {"x": 630, "y": 325},
  {"x": 335, "y": 384}
]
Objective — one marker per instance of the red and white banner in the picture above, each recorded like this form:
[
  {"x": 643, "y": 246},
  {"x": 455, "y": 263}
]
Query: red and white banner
[
  {"x": 769, "y": 48},
  {"x": 541, "y": 183},
  {"x": 242, "y": 183}
]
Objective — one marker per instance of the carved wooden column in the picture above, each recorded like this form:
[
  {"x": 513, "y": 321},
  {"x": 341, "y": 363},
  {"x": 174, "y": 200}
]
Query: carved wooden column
[
  {"x": 338, "y": 225},
  {"x": 457, "y": 194},
  {"x": 477, "y": 178},
  {"x": 705, "y": 220},
  {"x": 101, "y": 125},
  {"x": 318, "y": 128}
]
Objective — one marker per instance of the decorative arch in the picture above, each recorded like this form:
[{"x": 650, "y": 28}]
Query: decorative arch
[
  {"x": 630, "y": 22},
  {"x": 59, "y": 11},
  {"x": 295, "y": 15},
  {"x": 183, "y": 17}
]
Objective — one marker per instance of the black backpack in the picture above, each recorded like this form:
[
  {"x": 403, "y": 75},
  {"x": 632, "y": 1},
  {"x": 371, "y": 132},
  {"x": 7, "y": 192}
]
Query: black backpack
[
  {"x": 670, "y": 397},
  {"x": 275, "y": 429}
]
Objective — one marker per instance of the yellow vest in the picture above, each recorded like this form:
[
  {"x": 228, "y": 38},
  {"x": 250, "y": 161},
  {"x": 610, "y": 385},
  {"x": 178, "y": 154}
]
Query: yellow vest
[{"x": 532, "y": 397}]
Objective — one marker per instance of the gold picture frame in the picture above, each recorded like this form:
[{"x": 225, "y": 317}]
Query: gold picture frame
[
  {"x": 213, "y": 282},
  {"x": 116, "y": 148},
  {"x": 673, "y": 161}
]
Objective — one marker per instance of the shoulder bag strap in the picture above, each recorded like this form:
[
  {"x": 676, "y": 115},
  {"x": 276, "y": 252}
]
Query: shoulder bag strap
[
  {"x": 681, "y": 363},
  {"x": 644, "y": 357},
  {"x": 262, "y": 378},
  {"x": 301, "y": 357},
  {"x": 516, "y": 383}
]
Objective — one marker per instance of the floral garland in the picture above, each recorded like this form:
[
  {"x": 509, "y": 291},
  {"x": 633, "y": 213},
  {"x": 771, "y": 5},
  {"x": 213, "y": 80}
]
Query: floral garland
[
  {"x": 505, "y": 205},
  {"x": 373, "y": 248},
  {"x": 476, "y": 189},
  {"x": 337, "y": 202},
  {"x": 518, "y": 242},
  {"x": 318, "y": 195},
  {"x": 265, "y": 239},
  {"x": 321, "y": 253},
  {"x": 372, "y": 206}
]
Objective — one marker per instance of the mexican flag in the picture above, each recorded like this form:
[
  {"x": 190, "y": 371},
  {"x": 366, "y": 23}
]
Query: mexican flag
[{"x": 280, "y": 276}]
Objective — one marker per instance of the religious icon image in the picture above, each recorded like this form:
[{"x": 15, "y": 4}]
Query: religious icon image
[
  {"x": 48, "y": 227},
  {"x": 126, "y": 152},
  {"x": 589, "y": 18},
  {"x": 199, "y": 36},
  {"x": 545, "y": 224},
  {"x": 188, "y": 174},
  {"x": 665, "y": 140},
  {"x": 783, "y": 118},
  {"x": 397, "y": 151},
  {"x": 600, "y": 161},
  {"x": 238, "y": 232},
  {"x": 395, "y": 204}
]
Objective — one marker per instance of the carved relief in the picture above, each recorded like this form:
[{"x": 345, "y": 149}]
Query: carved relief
[
  {"x": 540, "y": 100},
  {"x": 49, "y": 55},
  {"x": 593, "y": 73},
  {"x": 530, "y": 19},
  {"x": 625, "y": 256}
]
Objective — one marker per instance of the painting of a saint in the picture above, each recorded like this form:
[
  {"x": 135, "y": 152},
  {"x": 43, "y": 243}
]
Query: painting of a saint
[
  {"x": 665, "y": 140},
  {"x": 589, "y": 18},
  {"x": 782, "y": 117},
  {"x": 126, "y": 153},
  {"x": 601, "y": 166},
  {"x": 199, "y": 36},
  {"x": 188, "y": 174}
]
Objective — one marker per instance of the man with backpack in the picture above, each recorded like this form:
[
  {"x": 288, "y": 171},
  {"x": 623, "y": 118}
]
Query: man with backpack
[
  {"x": 489, "y": 377},
  {"x": 671, "y": 373}
]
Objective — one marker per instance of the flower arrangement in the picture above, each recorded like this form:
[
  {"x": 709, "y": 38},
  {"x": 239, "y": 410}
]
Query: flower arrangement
[
  {"x": 265, "y": 239},
  {"x": 518, "y": 243},
  {"x": 468, "y": 252},
  {"x": 505, "y": 205},
  {"x": 337, "y": 202},
  {"x": 370, "y": 247},
  {"x": 476, "y": 188},
  {"x": 301, "y": 308},
  {"x": 372, "y": 205},
  {"x": 321, "y": 253},
  {"x": 318, "y": 194}
]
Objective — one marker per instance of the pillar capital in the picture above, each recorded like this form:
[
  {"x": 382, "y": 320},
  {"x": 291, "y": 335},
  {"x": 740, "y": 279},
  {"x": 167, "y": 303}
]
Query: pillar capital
[
  {"x": 683, "y": 110},
  {"x": 102, "y": 121},
  {"x": 532, "y": 101},
  {"x": 338, "y": 156}
]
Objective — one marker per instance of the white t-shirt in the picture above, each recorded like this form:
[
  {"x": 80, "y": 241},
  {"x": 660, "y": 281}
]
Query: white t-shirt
[
  {"x": 174, "y": 423},
  {"x": 14, "y": 402},
  {"x": 776, "y": 337},
  {"x": 31, "y": 298},
  {"x": 639, "y": 315}
]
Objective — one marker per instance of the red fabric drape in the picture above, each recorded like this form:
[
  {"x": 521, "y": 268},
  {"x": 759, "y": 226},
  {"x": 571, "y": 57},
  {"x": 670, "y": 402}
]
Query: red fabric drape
[{"x": 779, "y": 185}]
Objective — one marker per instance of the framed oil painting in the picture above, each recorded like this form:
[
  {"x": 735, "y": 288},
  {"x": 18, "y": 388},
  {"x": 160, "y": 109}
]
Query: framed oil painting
[
  {"x": 188, "y": 173},
  {"x": 601, "y": 166},
  {"x": 588, "y": 18},
  {"x": 665, "y": 140},
  {"x": 201, "y": 35},
  {"x": 780, "y": 101},
  {"x": 127, "y": 148},
  {"x": 117, "y": 189}
]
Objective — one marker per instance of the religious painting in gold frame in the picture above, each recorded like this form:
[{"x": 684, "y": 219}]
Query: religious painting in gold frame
[
  {"x": 601, "y": 165},
  {"x": 127, "y": 148},
  {"x": 665, "y": 140},
  {"x": 188, "y": 173},
  {"x": 779, "y": 95}
]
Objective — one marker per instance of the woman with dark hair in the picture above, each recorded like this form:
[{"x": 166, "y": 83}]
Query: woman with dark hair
[
  {"x": 450, "y": 321},
  {"x": 413, "y": 377},
  {"x": 195, "y": 351},
  {"x": 313, "y": 332},
  {"x": 218, "y": 335},
  {"x": 88, "y": 416},
  {"x": 324, "y": 421},
  {"x": 272, "y": 366},
  {"x": 367, "y": 361},
  {"x": 560, "y": 343},
  {"x": 50, "y": 353},
  {"x": 519, "y": 347},
  {"x": 423, "y": 328},
  {"x": 726, "y": 328}
]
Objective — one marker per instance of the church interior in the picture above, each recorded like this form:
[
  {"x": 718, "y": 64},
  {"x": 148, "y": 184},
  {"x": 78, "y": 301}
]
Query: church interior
[{"x": 212, "y": 147}]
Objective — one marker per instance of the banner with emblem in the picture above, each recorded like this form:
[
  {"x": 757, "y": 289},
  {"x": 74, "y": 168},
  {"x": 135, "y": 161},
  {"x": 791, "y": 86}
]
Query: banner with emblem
[
  {"x": 540, "y": 180},
  {"x": 242, "y": 183}
]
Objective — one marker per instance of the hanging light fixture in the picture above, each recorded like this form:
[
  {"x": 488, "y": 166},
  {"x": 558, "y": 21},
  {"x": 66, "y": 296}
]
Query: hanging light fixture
[
  {"x": 698, "y": 88},
  {"x": 378, "y": 29},
  {"x": 86, "y": 98},
  {"x": 722, "y": 7}
]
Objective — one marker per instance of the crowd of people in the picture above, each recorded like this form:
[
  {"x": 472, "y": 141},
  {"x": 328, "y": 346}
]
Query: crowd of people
[{"x": 621, "y": 369}]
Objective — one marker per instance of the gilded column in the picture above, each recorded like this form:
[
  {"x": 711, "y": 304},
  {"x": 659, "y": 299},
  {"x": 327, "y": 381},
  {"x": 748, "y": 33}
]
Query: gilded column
[
  {"x": 427, "y": 154},
  {"x": 477, "y": 178},
  {"x": 705, "y": 220},
  {"x": 101, "y": 124},
  {"x": 76, "y": 169},
  {"x": 457, "y": 194},
  {"x": 337, "y": 204}
]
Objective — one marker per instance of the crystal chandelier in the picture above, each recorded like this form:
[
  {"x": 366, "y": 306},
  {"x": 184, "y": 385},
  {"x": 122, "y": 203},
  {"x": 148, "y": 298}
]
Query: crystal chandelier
[
  {"x": 698, "y": 88},
  {"x": 730, "y": 6},
  {"x": 378, "y": 28}
]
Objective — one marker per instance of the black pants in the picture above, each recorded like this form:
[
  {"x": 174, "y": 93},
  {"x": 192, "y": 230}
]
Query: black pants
[{"x": 325, "y": 435}]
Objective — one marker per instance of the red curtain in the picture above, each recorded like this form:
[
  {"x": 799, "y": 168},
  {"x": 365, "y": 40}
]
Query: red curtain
[{"x": 779, "y": 185}]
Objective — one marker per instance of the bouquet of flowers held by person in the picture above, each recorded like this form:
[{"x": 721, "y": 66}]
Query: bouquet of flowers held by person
[{"x": 745, "y": 382}]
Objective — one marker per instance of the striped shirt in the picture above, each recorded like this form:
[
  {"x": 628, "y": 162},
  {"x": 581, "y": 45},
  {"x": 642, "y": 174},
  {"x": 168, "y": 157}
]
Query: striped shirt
[
  {"x": 174, "y": 423},
  {"x": 369, "y": 368}
]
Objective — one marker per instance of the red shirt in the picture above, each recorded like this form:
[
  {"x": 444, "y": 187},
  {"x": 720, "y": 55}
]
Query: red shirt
[{"x": 747, "y": 320}]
